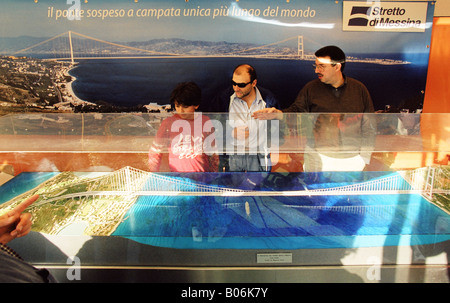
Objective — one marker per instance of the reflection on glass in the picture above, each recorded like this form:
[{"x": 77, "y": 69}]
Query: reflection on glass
[{"x": 291, "y": 142}]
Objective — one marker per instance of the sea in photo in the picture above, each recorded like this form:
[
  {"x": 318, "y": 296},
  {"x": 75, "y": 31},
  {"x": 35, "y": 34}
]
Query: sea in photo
[{"x": 130, "y": 82}]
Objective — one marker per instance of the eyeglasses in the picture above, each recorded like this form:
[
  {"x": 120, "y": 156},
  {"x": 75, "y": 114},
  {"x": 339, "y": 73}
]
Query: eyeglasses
[
  {"x": 320, "y": 67},
  {"x": 241, "y": 85}
]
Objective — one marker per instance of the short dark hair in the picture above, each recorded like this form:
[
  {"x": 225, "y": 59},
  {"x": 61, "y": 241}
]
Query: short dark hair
[
  {"x": 250, "y": 70},
  {"x": 186, "y": 93},
  {"x": 335, "y": 53}
]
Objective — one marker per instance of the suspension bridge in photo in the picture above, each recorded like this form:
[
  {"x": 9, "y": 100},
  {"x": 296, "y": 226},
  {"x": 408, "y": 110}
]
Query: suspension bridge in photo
[{"x": 75, "y": 46}]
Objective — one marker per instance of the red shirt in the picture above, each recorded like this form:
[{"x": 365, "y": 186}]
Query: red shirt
[{"x": 190, "y": 144}]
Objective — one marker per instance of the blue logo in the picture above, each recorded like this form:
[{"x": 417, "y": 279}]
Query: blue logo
[{"x": 359, "y": 20}]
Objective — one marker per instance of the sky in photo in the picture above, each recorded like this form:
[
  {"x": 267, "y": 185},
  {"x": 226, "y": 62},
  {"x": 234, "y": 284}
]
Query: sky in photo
[{"x": 319, "y": 21}]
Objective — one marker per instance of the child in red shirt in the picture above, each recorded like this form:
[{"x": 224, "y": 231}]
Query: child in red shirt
[{"x": 187, "y": 136}]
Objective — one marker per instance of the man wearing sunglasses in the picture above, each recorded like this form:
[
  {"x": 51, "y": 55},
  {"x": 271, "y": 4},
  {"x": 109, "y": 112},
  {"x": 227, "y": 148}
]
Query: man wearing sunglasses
[{"x": 241, "y": 100}]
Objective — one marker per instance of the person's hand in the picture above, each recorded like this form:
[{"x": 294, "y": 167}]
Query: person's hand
[
  {"x": 268, "y": 114},
  {"x": 15, "y": 223}
]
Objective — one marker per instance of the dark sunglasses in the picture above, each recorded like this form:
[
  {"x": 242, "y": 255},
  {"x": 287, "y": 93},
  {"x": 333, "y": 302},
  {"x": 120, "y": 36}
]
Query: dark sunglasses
[{"x": 241, "y": 85}]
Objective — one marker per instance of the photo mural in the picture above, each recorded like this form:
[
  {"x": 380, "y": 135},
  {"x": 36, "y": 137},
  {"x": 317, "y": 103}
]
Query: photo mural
[{"x": 127, "y": 55}]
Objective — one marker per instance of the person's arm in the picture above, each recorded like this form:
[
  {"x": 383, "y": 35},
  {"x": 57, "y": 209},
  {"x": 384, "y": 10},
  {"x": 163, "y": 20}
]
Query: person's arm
[
  {"x": 272, "y": 110},
  {"x": 301, "y": 103},
  {"x": 15, "y": 223},
  {"x": 270, "y": 113},
  {"x": 298, "y": 106}
]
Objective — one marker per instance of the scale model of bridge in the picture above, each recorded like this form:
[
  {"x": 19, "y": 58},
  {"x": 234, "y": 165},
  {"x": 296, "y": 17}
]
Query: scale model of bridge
[{"x": 133, "y": 182}]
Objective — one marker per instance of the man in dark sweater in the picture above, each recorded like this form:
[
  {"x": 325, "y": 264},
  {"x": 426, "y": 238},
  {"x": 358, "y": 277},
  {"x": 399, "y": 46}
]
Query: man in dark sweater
[
  {"x": 332, "y": 91},
  {"x": 350, "y": 136}
]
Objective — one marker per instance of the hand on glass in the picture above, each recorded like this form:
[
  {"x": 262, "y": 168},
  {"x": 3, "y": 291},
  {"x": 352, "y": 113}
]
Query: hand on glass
[
  {"x": 268, "y": 114},
  {"x": 15, "y": 223}
]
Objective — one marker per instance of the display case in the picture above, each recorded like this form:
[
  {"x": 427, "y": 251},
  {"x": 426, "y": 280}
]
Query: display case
[{"x": 333, "y": 197}]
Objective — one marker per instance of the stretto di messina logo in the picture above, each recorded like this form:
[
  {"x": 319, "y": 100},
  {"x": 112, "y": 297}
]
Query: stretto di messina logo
[{"x": 384, "y": 16}]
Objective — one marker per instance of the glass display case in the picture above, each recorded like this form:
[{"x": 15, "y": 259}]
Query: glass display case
[{"x": 213, "y": 197}]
